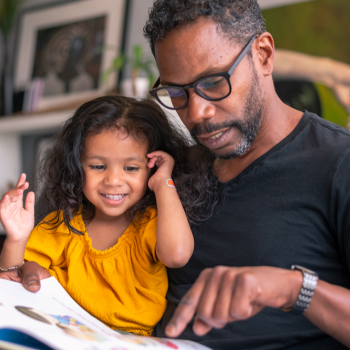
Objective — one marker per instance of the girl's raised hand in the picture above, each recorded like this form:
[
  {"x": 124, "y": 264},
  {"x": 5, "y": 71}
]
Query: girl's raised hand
[
  {"x": 18, "y": 222},
  {"x": 165, "y": 164}
]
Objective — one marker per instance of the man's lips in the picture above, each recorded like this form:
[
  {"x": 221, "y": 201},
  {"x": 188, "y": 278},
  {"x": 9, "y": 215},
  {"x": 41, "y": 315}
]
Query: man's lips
[
  {"x": 215, "y": 139},
  {"x": 212, "y": 134}
]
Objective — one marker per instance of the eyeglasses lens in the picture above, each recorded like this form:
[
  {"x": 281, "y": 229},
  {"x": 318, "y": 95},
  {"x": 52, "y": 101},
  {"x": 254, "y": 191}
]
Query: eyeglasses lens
[
  {"x": 172, "y": 97},
  {"x": 214, "y": 87}
]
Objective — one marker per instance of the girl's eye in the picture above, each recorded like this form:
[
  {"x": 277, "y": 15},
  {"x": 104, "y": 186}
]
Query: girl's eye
[
  {"x": 131, "y": 168},
  {"x": 98, "y": 167}
]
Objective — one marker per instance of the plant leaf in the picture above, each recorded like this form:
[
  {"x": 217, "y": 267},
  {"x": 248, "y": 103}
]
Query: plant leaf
[
  {"x": 138, "y": 53},
  {"x": 119, "y": 62},
  {"x": 8, "y": 11}
]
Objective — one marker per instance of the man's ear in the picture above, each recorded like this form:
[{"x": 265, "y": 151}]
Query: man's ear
[{"x": 265, "y": 49}]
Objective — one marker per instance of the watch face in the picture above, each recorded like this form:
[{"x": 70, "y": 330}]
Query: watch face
[{"x": 303, "y": 269}]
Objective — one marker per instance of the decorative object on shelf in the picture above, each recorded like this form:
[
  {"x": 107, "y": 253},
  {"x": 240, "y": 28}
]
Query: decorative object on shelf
[
  {"x": 136, "y": 86},
  {"x": 8, "y": 11},
  {"x": 27, "y": 98},
  {"x": 62, "y": 45}
]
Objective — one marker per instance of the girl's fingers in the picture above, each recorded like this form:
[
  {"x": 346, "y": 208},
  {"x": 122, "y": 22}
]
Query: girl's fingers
[
  {"x": 22, "y": 180},
  {"x": 18, "y": 189},
  {"x": 23, "y": 187},
  {"x": 152, "y": 162},
  {"x": 14, "y": 194},
  {"x": 4, "y": 200},
  {"x": 29, "y": 203},
  {"x": 156, "y": 154}
]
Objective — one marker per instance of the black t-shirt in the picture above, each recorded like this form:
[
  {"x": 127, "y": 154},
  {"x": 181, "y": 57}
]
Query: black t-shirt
[{"x": 290, "y": 206}]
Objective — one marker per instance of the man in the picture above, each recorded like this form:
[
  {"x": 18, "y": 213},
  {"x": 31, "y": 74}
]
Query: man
[
  {"x": 286, "y": 184},
  {"x": 286, "y": 176}
]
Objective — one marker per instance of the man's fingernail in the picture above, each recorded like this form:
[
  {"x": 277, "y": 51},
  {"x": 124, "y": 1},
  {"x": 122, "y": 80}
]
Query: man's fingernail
[
  {"x": 170, "y": 328},
  {"x": 33, "y": 282}
]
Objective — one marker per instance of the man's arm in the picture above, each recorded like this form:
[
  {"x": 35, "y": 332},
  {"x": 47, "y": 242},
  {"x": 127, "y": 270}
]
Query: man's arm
[
  {"x": 226, "y": 294},
  {"x": 329, "y": 310}
]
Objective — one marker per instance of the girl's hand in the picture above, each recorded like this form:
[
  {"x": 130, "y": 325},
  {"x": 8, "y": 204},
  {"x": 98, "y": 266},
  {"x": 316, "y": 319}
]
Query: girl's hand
[
  {"x": 165, "y": 164},
  {"x": 18, "y": 222}
]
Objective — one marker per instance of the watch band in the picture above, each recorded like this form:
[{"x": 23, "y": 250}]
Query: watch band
[{"x": 307, "y": 290}]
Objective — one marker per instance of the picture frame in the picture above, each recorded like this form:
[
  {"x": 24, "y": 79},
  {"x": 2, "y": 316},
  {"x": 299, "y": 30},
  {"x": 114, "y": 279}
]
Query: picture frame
[{"x": 65, "y": 45}]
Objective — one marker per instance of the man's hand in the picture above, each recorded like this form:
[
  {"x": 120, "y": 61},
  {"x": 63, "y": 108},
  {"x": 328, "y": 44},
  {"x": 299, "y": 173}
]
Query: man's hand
[
  {"x": 30, "y": 275},
  {"x": 227, "y": 294}
]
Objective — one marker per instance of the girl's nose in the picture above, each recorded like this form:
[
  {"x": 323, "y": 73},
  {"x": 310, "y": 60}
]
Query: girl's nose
[{"x": 114, "y": 178}]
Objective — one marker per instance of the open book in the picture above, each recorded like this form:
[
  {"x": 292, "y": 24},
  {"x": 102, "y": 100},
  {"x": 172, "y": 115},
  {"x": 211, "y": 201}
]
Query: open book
[{"x": 51, "y": 319}]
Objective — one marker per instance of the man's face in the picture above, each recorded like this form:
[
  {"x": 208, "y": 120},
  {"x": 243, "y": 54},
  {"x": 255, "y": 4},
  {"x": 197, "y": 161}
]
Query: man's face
[{"x": 227, "y": 127}]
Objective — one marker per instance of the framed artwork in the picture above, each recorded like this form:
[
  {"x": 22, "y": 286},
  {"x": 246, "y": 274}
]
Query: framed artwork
[
  {"x": 64, "y": 46},
  {"x": 312, "y": 60}
]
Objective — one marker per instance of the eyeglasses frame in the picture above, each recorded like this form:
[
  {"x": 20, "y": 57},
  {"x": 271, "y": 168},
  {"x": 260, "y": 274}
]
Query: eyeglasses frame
[{"x": 227, "y": 75}]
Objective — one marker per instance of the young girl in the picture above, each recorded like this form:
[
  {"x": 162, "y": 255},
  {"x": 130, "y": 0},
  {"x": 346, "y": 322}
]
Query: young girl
[{"x": 109, "y": 169}]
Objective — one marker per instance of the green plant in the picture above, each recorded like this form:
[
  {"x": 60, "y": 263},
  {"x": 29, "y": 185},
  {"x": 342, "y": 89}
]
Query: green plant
[
  {"x": 8, "y": 10},
  {"x": 137, "y": 62}
]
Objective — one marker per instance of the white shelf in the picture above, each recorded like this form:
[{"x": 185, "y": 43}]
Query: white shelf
[{"x": 33, "y": 122}]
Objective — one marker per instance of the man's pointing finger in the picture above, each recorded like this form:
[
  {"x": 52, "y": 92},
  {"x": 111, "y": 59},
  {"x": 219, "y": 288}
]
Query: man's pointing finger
[{"x": 185, "y": 311}]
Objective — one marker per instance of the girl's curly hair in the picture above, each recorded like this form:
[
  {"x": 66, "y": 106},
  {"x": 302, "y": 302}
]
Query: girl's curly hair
[{"x": 63, "y": 176}]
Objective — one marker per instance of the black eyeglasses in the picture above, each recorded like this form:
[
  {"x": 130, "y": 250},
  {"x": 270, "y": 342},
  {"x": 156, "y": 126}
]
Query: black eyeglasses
[{"x": 214, "y": 87}]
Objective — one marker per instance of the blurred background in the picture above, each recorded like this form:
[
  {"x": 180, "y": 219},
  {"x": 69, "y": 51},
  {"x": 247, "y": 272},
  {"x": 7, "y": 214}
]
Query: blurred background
[{"x": 57, "y": 54}]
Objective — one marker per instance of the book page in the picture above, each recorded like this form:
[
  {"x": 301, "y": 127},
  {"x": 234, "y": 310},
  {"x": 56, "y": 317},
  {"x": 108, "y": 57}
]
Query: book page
[{"x": 54, "y": 318}]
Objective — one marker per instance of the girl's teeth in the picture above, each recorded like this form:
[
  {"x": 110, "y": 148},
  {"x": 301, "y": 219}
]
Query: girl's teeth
[
  {"x": 216, "y": 136},
  {"x": 115, "y": 198}
]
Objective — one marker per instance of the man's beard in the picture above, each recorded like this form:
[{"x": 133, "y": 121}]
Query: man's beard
[{"x": 253, "y": 107}]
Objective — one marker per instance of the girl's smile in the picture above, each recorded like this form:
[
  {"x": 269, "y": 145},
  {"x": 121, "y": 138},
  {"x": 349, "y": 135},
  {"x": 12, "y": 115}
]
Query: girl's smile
[
  {"x": 113, "y": 199},
  {"x": 116, "y": 172}
]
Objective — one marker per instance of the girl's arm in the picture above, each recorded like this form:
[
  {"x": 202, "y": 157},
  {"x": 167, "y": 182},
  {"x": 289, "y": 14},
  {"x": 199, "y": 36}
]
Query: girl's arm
[
  {"x": 18, "y": 223},
  {"x": 175, "y": 242}
]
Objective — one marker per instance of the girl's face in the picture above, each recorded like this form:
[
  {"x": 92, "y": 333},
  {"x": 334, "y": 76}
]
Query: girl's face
[{"x": 116, "y": 172}]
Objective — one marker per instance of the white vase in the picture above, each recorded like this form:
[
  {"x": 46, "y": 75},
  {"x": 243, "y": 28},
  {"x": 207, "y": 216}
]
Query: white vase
[{"x": 141, "y": 87}]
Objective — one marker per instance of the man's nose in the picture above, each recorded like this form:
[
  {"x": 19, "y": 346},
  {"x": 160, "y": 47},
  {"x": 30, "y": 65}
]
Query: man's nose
[
  {"x": 198, "y": 109},
  {"x": 114, "y": 177}
]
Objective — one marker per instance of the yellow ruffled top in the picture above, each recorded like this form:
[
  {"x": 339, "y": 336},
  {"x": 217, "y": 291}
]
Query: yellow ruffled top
[{"x": 124, "y": 286}]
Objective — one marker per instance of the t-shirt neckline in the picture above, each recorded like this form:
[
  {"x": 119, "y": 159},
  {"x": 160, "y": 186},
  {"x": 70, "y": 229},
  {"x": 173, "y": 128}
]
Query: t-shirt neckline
[{"x": 303, "y": 121}]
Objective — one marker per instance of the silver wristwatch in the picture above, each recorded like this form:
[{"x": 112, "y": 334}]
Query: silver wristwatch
[{"x": 307, "y": 290}]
